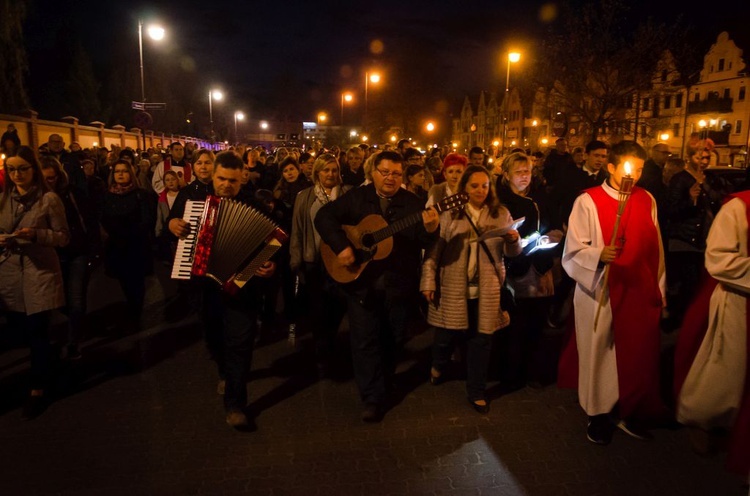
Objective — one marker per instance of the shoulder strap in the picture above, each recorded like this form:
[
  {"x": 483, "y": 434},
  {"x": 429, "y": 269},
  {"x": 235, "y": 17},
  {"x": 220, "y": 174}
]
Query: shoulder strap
[{"x": 483, "y": 245}]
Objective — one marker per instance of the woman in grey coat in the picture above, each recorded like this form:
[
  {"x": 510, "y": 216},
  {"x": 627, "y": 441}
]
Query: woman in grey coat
[
  {"x": 32, "y": 225},
  {"x": 461, "y": 280}
]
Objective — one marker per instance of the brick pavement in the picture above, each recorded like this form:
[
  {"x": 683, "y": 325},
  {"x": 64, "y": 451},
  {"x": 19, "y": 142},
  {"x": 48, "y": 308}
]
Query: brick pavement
[{"x": 139, "y": 415}]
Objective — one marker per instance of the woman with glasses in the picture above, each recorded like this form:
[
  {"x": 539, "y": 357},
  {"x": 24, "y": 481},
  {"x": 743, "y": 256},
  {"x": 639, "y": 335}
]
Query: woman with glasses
[
  {"x": 693, "y": 199},
  {"x": 32, "y": 225},
  {"x": 127, "y": 221}
]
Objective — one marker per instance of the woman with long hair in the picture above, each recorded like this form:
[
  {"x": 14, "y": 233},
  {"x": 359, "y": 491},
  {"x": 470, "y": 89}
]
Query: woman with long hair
[
  {"x": 462, "y": 276},
  {"x": 414, "y": 181},
  {"x": 32, "y": 225}
]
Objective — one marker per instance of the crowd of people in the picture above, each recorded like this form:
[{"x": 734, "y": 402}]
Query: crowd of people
[{"x": 612, "y": 245}]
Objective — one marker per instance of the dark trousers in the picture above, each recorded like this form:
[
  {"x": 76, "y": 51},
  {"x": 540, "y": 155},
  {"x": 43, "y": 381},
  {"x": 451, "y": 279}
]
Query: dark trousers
[
  {"x": 377, "y": 320},
  {"x": 478, "y": 348},
  {"x": 35, "y": 329},
  {"x": 521, "y": 358},
  {"x": 230, "y": 325},
  {"x": 683, "y": 275},
  {"x": 76, "y": 274},
  {"x": 133, "y": 285},
  {"x": 325, "y": 307}
]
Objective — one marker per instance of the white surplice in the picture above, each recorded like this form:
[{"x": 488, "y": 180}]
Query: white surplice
[{"x": 598, "y": 389}]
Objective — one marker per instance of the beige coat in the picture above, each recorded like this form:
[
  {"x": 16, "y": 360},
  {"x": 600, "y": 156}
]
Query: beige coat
[
  {"x": 30, "y": 276},
  {"x": 445, "y": 271}
]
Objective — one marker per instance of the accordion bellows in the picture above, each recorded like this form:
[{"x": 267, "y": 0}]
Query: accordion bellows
[{"x": 228, "y": 242}]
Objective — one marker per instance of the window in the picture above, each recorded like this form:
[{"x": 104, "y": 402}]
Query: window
[
  {"x": 726, "y": 93},
  {"x": 664, "y": 76},
  {"x": 644, "y": 131},
  {"x": 697, "y": 97},
  {"x": 678, "y": 100},
  {"x": 646, "y": 103},
  {"x": 741, "y": 96},
  {"x": 721, "y": 65},
  {"x": 668, "y": 101},
  {"x": 676, "y": 130},
  {"x": 738, "y": 127}
]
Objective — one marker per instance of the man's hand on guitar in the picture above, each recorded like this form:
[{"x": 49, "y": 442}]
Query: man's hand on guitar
[
  {"x": 179, "y": 228},
  {"x": 266, "y": 270},
  {"x": 431, "y": 219},
  {"x": 346, "y": 257}
]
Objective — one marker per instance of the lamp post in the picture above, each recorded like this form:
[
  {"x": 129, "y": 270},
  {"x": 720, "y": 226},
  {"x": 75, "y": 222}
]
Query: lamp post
[
  {"x": 369, "y": 78},
  {"x": 213, "y": 94},
  {"x": 155, "y": 32},
  {"x": 512, "y": 57},
  {"x": 345, "y": 97},
  {"x": 238, "y": 116}
]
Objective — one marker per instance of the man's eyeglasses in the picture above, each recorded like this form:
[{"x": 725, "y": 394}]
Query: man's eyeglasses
[
  {"x": 706, "y": 158},
  {"x": 22, "y": 169},
  {"x": 386, "y": 174}
]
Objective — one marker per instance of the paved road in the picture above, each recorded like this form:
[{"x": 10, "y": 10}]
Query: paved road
[{"x": 139, "y": 415}]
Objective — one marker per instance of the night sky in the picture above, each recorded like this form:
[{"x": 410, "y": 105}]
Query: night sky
[{"x": 438, "y": 51}]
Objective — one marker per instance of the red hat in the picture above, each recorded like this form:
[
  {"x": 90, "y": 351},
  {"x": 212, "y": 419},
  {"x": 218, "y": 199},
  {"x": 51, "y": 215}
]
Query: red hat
[{"x": 455, "y": 159}]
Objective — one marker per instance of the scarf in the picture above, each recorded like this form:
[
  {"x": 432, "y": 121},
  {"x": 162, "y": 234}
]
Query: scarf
[
  {"x": 324, "y": 197},
  {"x": 120, "y": 189}
]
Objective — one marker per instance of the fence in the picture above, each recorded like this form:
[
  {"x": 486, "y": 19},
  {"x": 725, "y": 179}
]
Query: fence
[{"x": 34, "y": 132}]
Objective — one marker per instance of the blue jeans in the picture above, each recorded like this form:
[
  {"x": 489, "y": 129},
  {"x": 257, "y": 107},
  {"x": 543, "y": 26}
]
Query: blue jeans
[
  {"x": 377, "y": 321},
  {"x": 478, "y": 348}
]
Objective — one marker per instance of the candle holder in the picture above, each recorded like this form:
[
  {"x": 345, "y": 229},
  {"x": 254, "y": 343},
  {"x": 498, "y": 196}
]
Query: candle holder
[{"x": 626, "y": 188}]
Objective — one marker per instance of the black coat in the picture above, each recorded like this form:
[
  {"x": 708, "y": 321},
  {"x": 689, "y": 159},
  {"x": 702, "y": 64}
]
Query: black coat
[{"x": 126, "y": 218}]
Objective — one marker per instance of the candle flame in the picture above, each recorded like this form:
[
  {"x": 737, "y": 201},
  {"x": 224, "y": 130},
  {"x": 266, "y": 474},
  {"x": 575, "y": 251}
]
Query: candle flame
[{"x": 628, "y": 168}]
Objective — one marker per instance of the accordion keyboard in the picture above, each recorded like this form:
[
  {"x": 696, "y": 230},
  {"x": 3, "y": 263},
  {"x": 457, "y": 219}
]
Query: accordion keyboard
[{"x": 183, "y": 259}]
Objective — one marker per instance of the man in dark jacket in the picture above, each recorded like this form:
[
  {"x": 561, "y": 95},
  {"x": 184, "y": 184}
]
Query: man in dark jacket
[{"x": 378, "y": 299}]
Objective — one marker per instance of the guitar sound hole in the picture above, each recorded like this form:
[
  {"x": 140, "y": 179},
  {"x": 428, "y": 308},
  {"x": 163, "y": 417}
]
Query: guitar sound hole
[{"x": 368, "y": 241}]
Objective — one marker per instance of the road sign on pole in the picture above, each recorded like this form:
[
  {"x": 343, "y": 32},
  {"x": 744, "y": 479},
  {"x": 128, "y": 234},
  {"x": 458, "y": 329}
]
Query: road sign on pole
[{"x": 148, "y": 106}]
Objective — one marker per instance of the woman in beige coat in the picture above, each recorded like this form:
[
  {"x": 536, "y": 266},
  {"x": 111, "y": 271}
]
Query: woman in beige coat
[
  {"x": 461, "y": 281},
  {"x": 32, "y": 225}
]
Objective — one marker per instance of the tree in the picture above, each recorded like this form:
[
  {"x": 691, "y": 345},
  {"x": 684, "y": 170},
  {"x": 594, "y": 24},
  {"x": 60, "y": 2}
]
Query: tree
[
  {"x": 596, "y": 65},
  {"x": 13, "y": 61}
]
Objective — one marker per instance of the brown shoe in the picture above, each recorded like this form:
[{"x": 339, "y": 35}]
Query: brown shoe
[{"x": 239, "y": 421}]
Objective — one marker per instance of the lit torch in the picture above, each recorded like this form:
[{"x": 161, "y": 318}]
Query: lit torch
[{"x": 626, "y": 188}]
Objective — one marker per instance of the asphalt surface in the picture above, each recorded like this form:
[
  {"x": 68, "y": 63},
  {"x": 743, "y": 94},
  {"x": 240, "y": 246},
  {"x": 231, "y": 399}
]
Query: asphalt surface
[{"x": 139, "y": 415}]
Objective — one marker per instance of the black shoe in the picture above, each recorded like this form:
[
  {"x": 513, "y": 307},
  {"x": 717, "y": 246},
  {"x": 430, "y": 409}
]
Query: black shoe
[
  {"x": 33, "y": 407},
  {"x": 632, "y": 429},
  {"x": 483, "y": 409},
  {"x": 599, "y": 430},
  {"x": 372, "y": 413}
]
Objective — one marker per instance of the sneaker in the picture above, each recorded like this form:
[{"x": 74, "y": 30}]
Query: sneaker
[
  {"x": 221, "y": 387},
  {"x": 632, "y": 429},
  {"x": 239, "y": 421},
  {"x": 372, "y": 413},
  {"x": 599, "y": 430}
]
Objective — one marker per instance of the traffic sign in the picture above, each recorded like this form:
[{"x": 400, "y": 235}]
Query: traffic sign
[
  {"x": 148, "y": 106},
  {"x": 143, "y": 120}
]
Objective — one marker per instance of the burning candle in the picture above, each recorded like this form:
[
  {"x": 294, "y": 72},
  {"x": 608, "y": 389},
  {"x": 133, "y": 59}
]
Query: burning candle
[{"x": 628, "y": 169}]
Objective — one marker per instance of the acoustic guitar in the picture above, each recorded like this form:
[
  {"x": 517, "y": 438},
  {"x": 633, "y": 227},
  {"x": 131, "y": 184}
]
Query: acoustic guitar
[{"x": 371, "y": 239}]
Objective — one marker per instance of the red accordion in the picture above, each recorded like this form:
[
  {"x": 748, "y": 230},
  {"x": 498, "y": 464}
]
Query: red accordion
[{"x": 228, "y": 242}]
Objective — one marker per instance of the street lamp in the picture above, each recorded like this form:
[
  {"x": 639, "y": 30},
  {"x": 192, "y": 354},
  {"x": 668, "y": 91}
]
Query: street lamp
[
  {"x": 345, "y": 97},
  {"x": 217, "y": 95},
  {"x": 512, "y": 57},
  {"x": 322, "y": 117},
  {"x": 369, "y": 78},
  {"x": 155, "y": 32},
  {"x": 238, "y": 116}
]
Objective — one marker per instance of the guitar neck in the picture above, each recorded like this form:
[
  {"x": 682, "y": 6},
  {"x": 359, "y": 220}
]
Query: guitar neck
[{"x": 397, "y": 226}]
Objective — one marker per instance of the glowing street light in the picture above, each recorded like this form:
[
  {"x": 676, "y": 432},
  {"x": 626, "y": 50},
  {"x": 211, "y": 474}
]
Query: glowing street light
[
  {"x": 322, "y": 117},
  {"x": 263, "y": 125},
  {"x": 369, "y": 78},
  {"x": 213, "y": 95},
  {"x": 512, "y": 57},
  {"x": 430, "y": 127},
  {"x": 345, "y": 97},
  {"x": 155, "y": 32},
  {"x": 238, "y": 116}
]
